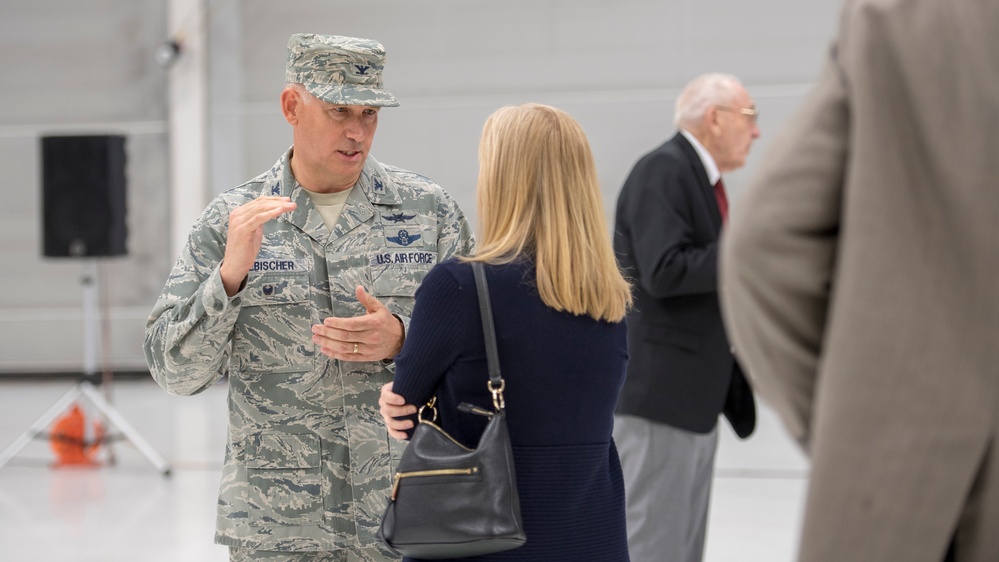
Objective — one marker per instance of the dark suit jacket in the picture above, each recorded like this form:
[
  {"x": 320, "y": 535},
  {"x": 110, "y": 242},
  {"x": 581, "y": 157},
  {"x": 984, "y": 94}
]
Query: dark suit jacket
[{"x": 681, "y": 372}]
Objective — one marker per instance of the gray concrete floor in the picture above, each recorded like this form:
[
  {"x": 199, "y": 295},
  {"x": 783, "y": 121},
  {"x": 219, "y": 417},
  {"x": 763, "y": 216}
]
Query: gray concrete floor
[{"x": 129, "y": 512}]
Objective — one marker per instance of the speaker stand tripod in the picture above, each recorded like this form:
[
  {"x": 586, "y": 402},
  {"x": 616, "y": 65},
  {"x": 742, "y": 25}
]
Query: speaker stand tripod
[{"x": 85, "y": 388}]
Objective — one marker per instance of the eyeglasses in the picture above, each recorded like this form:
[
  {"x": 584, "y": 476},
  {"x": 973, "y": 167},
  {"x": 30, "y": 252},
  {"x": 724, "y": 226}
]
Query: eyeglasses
[{"x": 750, "y": 112}]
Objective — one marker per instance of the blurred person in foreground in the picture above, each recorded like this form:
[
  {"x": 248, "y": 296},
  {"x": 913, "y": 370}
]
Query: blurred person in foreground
[
  {"x": 320, "y": 255},
  {"x": 559, "y": 303},
  {"x": 859, "y": 284},
  {"x": 682, "y": 374}
]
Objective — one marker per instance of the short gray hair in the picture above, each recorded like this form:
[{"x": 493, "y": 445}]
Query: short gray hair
[
  {"x": 307, "y": 97},
  {"x": 703, "y": 92}
]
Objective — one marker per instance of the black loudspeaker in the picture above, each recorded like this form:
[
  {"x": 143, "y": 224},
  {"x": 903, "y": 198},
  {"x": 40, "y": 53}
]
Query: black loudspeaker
[{"x": 83, "y": 196}]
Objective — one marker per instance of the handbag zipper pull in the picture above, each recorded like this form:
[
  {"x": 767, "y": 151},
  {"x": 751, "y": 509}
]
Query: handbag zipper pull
[
  {"x": 469, "y": 408},
  {"x": 436, "y": 472}
]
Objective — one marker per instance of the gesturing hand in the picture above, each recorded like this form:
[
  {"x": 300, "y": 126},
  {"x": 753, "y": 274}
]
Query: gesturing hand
[
  {"x": 374, "y": 336},
  {"x": 245, "y": 234}
]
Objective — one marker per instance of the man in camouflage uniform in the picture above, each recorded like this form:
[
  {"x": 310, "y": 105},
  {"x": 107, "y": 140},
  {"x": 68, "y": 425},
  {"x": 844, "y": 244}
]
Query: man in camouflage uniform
[{"x": 298, "y": 285}]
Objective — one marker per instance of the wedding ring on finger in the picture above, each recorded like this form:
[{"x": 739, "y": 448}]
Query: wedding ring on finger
[{"x": 355, "y": 348}]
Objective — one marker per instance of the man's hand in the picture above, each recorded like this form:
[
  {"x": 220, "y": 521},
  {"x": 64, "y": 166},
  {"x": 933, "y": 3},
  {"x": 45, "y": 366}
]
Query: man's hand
[
  {"x": 392, "y": 406},
  {"x": 375, "y": 336},
  {"x": 246, "y": 232}
]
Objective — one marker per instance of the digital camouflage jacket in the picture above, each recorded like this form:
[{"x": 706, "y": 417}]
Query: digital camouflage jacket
[{"x": 308, "y": 461}]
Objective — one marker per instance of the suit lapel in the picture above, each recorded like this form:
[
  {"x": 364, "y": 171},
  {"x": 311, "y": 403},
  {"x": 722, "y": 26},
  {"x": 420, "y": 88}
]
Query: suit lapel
[{"x": 705, "y": 190}]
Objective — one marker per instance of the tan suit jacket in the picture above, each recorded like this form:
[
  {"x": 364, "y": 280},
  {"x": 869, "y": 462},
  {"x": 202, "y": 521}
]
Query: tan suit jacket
[{"x": 860, "y": 284}]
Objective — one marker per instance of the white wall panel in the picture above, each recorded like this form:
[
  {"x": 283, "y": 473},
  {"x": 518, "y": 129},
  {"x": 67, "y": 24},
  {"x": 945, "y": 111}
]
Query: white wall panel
[{"x": 72, "y": 67}]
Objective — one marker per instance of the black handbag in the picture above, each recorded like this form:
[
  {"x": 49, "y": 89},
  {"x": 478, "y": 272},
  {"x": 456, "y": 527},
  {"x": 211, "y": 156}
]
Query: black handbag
[{"x": 449, "y": 501}]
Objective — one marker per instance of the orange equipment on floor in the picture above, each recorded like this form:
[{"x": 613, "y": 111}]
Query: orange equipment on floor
[{"x": 69, "y": 439}]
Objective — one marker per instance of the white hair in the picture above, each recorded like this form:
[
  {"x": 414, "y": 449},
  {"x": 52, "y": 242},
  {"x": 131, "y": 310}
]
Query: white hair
[
  {"x": 703, "y": 92},
  {"x": 306, "y": 95}
]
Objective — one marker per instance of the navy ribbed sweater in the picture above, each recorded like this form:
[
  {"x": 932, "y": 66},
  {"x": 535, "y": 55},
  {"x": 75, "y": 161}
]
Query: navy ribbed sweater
[{"x": 563, "y": 374}]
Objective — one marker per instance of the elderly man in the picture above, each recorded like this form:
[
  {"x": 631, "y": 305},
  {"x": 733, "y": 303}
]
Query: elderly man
[
  {"x": 681, "y": 374},
  {"x": 298, "y": 285}
]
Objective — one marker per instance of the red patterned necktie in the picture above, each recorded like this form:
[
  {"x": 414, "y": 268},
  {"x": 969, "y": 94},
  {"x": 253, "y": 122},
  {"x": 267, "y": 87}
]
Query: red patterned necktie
[{"x": 722, "y": 200}]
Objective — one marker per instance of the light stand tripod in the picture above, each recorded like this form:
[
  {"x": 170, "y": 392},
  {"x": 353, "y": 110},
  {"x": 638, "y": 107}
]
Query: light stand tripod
[{"x": 85, "y": 387}]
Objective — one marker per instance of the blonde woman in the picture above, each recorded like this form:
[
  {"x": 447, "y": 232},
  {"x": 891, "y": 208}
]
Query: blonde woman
[{"x": 559, "y": 302}]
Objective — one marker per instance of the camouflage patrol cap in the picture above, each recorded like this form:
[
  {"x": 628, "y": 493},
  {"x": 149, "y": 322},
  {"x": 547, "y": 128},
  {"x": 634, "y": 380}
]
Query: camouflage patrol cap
[{"x": 340, "y": 70}]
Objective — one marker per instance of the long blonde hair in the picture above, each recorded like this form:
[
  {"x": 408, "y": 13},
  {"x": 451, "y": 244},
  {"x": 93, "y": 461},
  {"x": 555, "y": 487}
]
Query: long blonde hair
[{"x": 538, "y": 195}]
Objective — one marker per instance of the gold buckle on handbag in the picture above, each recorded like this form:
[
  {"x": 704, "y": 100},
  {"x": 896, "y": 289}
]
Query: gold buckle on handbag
[
  {"x": 432, "y": 404},
  {"x": 497, "y": 392}
]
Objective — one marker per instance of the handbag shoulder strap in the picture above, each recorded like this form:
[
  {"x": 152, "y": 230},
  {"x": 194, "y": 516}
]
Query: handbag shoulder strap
[{"x": 496, "y": 383}]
